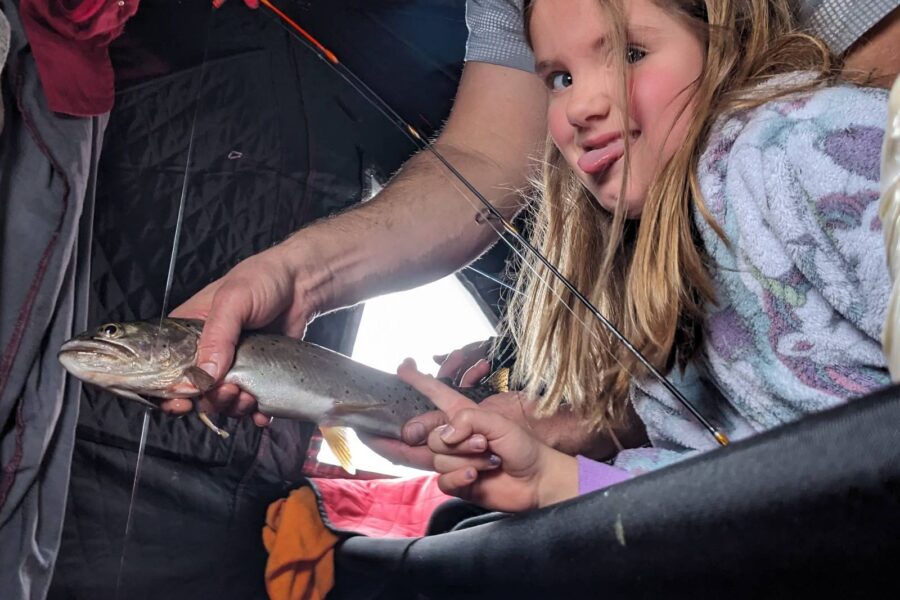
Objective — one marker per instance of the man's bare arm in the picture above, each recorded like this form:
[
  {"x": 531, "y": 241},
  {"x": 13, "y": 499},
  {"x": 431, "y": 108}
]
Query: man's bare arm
[
  {"x": 422, "y": 225},
  {"x": 419, "y": 228}
]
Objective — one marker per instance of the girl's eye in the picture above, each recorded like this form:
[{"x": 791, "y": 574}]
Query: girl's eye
[
  {"x": 634, "y": 54},
  {"x": 559, "y": 80}
]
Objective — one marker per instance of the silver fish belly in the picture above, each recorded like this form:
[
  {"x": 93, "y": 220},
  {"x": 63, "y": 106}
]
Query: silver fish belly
[{"x": 297, "y": 380}]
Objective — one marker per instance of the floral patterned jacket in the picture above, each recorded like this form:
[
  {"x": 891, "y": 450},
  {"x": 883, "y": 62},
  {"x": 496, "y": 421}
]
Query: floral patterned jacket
[{"x": 802, "y": 283}]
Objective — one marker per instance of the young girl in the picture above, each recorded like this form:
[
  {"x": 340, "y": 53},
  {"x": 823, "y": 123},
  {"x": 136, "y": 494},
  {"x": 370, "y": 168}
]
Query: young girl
[{"x": 714, "y": 193}]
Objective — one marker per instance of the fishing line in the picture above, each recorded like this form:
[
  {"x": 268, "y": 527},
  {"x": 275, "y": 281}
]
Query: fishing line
[
  {"x": 170, "y": 276},
  {"x": 490, "y": 277},
  {"x": 507, "y": 228},
  {"x": 134, "y": 488}
]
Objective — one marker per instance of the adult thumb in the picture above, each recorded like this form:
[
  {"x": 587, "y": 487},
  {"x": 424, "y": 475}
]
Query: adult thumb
[{"x": 221, "y": 332}]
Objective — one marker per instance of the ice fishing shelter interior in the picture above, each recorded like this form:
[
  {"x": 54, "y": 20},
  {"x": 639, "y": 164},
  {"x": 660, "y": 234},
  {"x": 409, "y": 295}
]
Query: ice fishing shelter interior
[{"x": 280, "y": 139}]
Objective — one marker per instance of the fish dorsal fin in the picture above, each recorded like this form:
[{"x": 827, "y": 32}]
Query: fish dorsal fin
[
  {"x": 499, "y": 380},
  {"x": 202, "y": 380},
  {"x": 336, "y": 438}
]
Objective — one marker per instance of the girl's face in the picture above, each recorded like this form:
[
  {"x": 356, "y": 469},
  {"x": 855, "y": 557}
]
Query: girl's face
[{"x": 663, "y": 60}]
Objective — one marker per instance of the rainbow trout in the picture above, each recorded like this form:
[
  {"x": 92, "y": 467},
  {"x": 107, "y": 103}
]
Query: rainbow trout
[{"x": 146, "y": 362}]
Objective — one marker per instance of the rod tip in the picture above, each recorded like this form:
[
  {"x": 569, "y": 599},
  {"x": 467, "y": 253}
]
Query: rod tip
[{"x": 721, "y": 438}]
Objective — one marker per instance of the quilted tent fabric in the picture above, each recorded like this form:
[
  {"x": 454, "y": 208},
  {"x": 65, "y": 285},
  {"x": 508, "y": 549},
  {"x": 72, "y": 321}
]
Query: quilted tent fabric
[{"x": 279, "y": 141}]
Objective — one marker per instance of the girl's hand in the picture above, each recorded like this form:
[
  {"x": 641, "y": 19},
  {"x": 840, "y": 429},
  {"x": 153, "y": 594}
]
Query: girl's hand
[{"x": 488, "y": 459}]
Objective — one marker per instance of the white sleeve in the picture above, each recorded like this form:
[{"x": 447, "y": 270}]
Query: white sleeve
[{"x": 497, "y": 35}]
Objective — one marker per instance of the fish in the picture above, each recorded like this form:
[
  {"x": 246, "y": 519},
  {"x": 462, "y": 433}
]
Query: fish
[{"x": 150, "y": 361}]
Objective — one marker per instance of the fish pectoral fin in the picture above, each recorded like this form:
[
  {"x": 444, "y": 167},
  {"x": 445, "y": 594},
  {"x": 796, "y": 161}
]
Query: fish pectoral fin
[
  {"x": 132, "y": 396},
  {"x": 202, "y": 380},
  {"x": 349, "y": 408},
  {"x": 336, "y": 438},
  {"x": 499, "y": 379},
  {"x": 208, "y": 422}
]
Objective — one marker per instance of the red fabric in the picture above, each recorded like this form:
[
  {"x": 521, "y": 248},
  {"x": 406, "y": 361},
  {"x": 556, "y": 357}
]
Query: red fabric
[
  {"x": 313, "y": 468},
  {"x": 70, "y": 41},
  {"x": 381, "y": 507}
]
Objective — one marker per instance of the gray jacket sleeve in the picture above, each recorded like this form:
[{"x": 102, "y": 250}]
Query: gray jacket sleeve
[{"x": 48, "y": 168}]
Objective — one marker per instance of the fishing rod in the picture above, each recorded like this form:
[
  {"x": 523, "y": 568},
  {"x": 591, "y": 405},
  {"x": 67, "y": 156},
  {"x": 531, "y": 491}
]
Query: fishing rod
[{"x": 494, "y": 214}]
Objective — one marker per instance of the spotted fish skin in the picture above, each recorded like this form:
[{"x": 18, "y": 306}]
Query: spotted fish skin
[{"x": 150, "y": 361}]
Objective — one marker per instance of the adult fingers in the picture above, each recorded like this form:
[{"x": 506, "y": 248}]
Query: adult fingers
[
  {"x": 415, "y": 431},
  {"x": 197, "y": 307},
  {"x": 456, "y": 363},
  {"x": 177, "y": 406},
  {"x": 451, "y": 363},
  {"x": 222, "y": 399},
  {"x": 229, "y": 311},
  {"x": 244, "y": 405},
  {"x": 475, "y": 373},
  {"x": 261, "y": 420},
  {"x": 442, "y": 396}
]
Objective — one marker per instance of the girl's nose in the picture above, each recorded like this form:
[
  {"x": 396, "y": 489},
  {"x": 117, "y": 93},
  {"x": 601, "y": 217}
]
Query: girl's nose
[{"x": 588, "y": 101}]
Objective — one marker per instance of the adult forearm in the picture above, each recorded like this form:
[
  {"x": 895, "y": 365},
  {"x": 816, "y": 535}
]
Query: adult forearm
[{"x": 422, "y": 226}]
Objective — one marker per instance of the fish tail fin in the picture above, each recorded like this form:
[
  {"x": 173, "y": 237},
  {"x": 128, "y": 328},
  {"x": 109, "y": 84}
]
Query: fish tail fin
[
  {"x": 499, "y": 380},
  {"x": 336, "y": 438}
]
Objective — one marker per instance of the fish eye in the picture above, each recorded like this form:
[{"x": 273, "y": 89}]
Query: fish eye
[{"x": 111, "y": 330}]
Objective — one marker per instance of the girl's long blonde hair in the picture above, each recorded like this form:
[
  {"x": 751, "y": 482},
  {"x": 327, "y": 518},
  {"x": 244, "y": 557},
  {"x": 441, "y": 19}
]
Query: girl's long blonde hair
[{"x": 647, "y": 276}]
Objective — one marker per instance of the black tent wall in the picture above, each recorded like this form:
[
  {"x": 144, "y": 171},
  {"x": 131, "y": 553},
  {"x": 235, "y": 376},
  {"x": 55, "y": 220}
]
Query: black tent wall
[
  {"x": 280, "y": 141},
  {"x": 808, "y": 509}
]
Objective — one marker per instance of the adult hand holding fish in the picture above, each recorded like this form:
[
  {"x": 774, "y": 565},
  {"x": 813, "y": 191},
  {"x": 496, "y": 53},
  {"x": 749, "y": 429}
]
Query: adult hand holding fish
[
  {"x": 487, "y": 458},
  {"x": 263, "y": 290}
]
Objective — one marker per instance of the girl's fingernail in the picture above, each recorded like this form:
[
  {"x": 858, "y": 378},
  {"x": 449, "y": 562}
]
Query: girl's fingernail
[
  {"x": 478, "y": 443},
  {"x": 494, "y": 460},
  {"x": 470, "y": 474},
  {"x": 446, "y": 432}
]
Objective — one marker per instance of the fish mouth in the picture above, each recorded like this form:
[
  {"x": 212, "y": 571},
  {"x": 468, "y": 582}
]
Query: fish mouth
[{"x": 104, "y": 347}]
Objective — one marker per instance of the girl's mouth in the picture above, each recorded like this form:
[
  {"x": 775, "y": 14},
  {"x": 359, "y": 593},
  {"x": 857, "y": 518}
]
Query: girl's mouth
[{"x": 594, "y": 162}]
